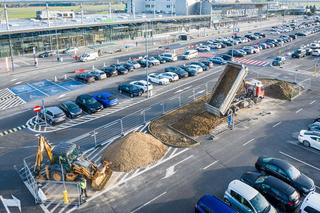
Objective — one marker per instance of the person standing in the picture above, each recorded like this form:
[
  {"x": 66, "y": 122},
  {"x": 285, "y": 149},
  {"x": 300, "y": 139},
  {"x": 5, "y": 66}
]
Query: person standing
[{"x": 83, "y": 187}]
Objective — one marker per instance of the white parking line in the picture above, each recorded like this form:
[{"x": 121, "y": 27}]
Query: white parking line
[
  {"x": 211, "y": 164},
  {"x": 312, "y": 102},
  {"x": 299, "y": 110},
  {"x": 276, "y": 124},
  {"x": 147, "y": 203},
  {"x": 296, "y": 159},
  {"x": 246, "y": 143},
  {"x": 317, "y": 187}
]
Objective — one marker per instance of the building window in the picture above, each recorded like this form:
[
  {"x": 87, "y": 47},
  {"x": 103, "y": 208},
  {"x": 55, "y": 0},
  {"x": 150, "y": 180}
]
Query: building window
[{"x": 168, "y": 6}]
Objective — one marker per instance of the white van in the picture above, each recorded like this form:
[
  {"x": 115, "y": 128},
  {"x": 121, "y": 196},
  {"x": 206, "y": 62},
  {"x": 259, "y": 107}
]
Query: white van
[
  {"x": 170, "y": 57},
  {"x": 189, "y": 54},
  {"x": 311, "y": 203},
  {"x": 89, "y": 56}
]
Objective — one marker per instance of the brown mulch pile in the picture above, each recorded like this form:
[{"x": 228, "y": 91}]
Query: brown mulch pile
[
  {"x": 133, "y": 151},
  {"x": 282, "y": 90}
]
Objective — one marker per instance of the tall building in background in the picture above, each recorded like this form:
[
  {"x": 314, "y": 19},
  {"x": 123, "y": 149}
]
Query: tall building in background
[{"x": 178, "y": 7}]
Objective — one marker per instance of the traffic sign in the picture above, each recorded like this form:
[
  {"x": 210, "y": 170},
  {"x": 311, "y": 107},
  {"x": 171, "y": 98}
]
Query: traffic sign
[{"x": 37, "y": 108}]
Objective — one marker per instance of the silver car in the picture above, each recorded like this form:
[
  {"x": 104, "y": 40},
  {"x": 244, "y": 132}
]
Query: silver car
[{"x": 52, "y": 115}]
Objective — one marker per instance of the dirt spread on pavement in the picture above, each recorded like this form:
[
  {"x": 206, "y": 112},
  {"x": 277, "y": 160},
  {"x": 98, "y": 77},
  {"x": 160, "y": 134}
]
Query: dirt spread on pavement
[
  {"x": 135, "y": 150},
  {"x": 278, "y": 89}
]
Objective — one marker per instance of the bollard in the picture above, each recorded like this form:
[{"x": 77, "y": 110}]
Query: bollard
[
  {"x": 104, "y": 64},
  {"x": 55, "y": 79},
  {"x": 65, "y": 76},
  {"x": 92, "y": 67},
  {"x": 65, "y": 197}
]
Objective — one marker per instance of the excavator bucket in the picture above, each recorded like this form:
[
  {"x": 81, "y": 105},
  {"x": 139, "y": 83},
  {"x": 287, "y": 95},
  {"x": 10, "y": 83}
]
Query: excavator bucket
[{"x": 101, "y": 176}]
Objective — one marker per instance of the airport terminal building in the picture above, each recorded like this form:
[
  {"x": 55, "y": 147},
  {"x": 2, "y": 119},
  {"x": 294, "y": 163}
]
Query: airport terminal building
[{"x": 22, "y": 40}]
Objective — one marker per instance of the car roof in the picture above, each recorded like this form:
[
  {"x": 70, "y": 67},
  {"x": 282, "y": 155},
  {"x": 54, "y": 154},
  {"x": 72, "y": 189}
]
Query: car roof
[
  {"x": 214, "y": 203},
  {"x": 103, "y": 94},
  {"x": 313, "y": 199},
  {"x": 281, "y": 163},
  {"x": 279, "y": 184},
  {"x": 243, "y": 189},
  {"x": 85, "y": 96},
  {"x": 54, "y": 109}
]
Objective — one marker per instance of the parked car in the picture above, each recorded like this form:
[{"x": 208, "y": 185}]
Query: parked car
[
  {"x": 189, "y": 54},
  {"x": 52, "y": 115},
  {"x": 89, "y": 56},
  {"x": 88, "y": 104},
  {"x": 86, "y": 77},
  {"x": 202, "y": 65},
  {"x": 143, "y": 84},
  {"x": 286, "y": 172},
  {"x": 161, "y": 59},
  {"x": 310, "y": 138},
  {"x": 71, "y": 109},
  {"x": 177, "y": 70},
  {"x": 208, "y": 63},
  {"x": 310, "y": 203},
  {"x": 203, "y": 48},
  {"x": 110, "y": 71},
  {"x": 144, "y": 63},
  {"x": 293, "y": 36},
  {"x": 260, "y": 34},
  {"x": 245, "y": 199},
  {"x": 135, "y": 64},
  {"x": 248, "y": 50},
  {"x": 225, "y": 57},
  {"x": 128, "y": 66},
  {"x": 195, "y": 67},
  {"x": 131, "y": 90},
  {"x": 299, "y": 53},
  {"x": 235, "y": 53},
  {"x": 191, "y": 72},
  {"x": 277, "y": 192},
  {"x": 218, "y": 60},
  {"x": 169, "y": 75},
  {"x": 98, "y": 74},
  {"x": 47, "y": 54},
  {"x": 211, "y": 204},
  {"x": 70, "y": 51},
  {"x": 316, "y": 52},
  {"x": 155, "y": 78},
  {"x": 153, "y": 61},
  {"x": 122, "y": 70},
  {"x": 170, "y": 57},
  {"x": 106, "y": 99},
  {"x": 278, "y": 61}
]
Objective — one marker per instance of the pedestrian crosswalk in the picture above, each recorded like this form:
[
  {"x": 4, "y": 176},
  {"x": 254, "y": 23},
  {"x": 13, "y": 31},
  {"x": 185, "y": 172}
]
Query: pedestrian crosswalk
[
  {"x": 8, "y": 99},
  {"x": 252, "y": 62}
]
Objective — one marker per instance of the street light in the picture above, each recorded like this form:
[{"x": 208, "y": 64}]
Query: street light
[{"x": 147, "y": 54}]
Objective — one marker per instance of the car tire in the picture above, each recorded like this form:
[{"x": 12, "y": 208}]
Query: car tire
[
  {"x": 227, "y": 201},
  {"x": 140, "y": 93},
  {"x": 131, "y": 95},
  {"x": 306, "y": 143},
  {"x": 120, "y": 91}
]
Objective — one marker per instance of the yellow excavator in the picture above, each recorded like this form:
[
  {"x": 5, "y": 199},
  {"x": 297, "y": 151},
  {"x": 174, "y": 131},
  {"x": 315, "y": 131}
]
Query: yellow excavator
[{"x": 65, "y": 160}]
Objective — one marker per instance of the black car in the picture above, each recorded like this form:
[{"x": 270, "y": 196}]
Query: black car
[
  {"x": 189, "y": 71},
  {"x": 177, "y": 70},
  {"x": 46, "y": 54},
  {"x": 251, "y": 37},
  {"x": 235, "y": 53},
  {"x": 161, "y": 59},
  {"x": 261, "y": 35},
  {"x": 88, "y": 104},
  {"x": 225, "y": 57},
  {"x": 286, "y": 172},
  {"x": 85, "y": 77},
  {"x": 299, "y": 53},
  {"x": 227, "y": 43},
  {"x": 277, "y": 192},
  {"x": 71, "y": 109},
  {"x": 110, "y": 71},
  {"x": 130, "y": 89},
  {"x": 204, "y": 67},
  {"x": 120, "y": 69},
  {"x": 128, "y": 66},
  {"x": 144, "y": 63},
  {"x": 207, "y": 63},
  {"x": 309, "y": 51}
]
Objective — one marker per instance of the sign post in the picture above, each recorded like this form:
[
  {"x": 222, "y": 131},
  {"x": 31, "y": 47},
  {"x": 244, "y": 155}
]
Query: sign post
[{"x": 37, "y": 109}]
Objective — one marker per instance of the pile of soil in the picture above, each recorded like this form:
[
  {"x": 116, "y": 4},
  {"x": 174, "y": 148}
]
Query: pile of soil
[
  {"x": 197, "y": 125},
  {"x": 133, "y": 151},
  {"x": 280, "y": 89},
  {"x": 190, "y": 120}
]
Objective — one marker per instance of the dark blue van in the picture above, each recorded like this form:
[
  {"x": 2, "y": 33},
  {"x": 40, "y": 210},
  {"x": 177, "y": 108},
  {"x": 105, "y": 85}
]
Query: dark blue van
[{"x": 211, "y": 204}]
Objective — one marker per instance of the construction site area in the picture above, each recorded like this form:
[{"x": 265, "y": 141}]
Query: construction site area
[{"x": 234, "y": 101}]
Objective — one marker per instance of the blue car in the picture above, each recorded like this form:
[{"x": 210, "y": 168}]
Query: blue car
[
  {"x": 209, "y": 203},
  {"x": 106, "y": 99},
  {"x": 218, "y": 60}
]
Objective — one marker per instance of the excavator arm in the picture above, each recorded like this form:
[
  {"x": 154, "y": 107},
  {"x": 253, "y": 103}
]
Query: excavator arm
[{"x": 42, "y": 145}]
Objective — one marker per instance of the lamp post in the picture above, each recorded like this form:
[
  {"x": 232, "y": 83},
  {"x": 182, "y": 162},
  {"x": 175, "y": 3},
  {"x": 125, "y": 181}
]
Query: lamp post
[
  {"x": 9, "y": 36},
  {"x": 147, "y": 55}
]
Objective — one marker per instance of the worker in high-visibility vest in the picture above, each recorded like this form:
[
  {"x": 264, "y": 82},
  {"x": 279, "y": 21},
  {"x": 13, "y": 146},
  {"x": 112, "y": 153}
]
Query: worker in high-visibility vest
[{"x": 83, "y": 187}]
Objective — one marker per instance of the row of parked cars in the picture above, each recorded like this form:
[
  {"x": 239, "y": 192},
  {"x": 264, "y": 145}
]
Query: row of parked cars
[
  {"x": 275, "y": 183},
  {"x": 311, "y": 137},
  {"x": 73, "y": 109}
]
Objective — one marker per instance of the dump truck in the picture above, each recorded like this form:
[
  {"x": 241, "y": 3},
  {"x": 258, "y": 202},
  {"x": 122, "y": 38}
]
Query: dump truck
[
  {"x": 66, "y": 161},
  {"x": 226, "y": 97}
]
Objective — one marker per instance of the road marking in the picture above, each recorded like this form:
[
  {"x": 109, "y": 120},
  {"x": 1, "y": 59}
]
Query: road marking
[
  {"x": 276, "y": 124},
  {"x": 296, "y": 159},
  {"x": 246, "y": 143},
  {"x": 312, "y": 102},
  {"x": 19, "y": 82},
  {"x": 299, "y": 110},
  {"x": 317, "y": 187},
  {"x": 169, "y": 172},
  {"x": 13, "y": 79},
  {"x": 183, "y": 160},
  {"x": 211, "y": 164},
  {"x": 147, "y": 203},
  {"x": 14, "y": 202}
]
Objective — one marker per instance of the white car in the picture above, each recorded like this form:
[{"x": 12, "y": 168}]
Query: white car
[
  {"x": 316, "y": 52},
  {"x": 135, "y": 64},
  {"x": 71, "y": 51},
  {"x": 311, "y": 203},
  {"x": 143, "y": 85},
  {"x": 215, "y": 46},
  {"x": 155, "y": 78},
  {"x": 170, "y": 75},
  {"x": 171, "y": 57},
  {"x": 195, "y": 67},
  {"x": 310, "y": 139},
  {"x": 243, "y": 198},
  {"x": 203, "y": 49},
  {"x": 152, "y": 61},
  {"x": 314, "y": 45}
]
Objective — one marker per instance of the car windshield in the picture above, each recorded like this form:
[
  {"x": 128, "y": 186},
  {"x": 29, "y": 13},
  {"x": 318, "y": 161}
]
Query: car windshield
[
  {"x": 293, "y": 172},
  {"x": 71, "y": 106},
  {"x": 110, "y": 98},
  {"x": 58, "y": 115},
  {"x": 91, "y": 101},
  {"x": 260, "y": 204}
]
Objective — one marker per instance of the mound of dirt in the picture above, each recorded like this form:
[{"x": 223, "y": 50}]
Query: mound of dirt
[
  {"x": 200, "y": 124},
  {"x": 133, "y": 151},
  {"x": 280, "y": 89}
]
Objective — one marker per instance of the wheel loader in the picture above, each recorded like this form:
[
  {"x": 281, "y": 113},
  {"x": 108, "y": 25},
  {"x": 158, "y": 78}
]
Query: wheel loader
[{"x": 66, "y": 161}]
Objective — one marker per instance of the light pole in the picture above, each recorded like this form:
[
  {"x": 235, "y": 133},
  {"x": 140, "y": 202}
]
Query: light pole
[
  {"x": 47, "y": 11},
  {"x": 9, "y": 36},
  {"x": 147, "y": 55}
]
